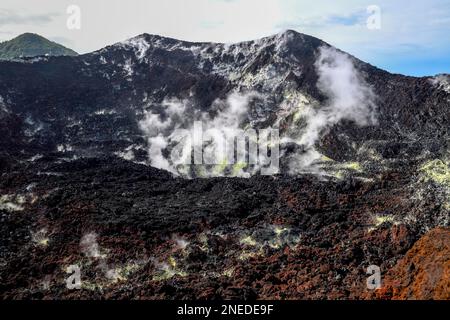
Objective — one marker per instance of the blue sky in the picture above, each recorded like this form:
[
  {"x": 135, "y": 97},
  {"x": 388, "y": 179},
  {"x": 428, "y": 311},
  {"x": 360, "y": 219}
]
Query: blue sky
[{"x": 413, "y": 37}]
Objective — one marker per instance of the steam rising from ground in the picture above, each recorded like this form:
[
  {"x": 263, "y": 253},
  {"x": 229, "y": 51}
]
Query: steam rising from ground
[
  {"x": 162, "y": 127},
  {"x": 89, "y": 245},
  {"x": 158, "y": 129},
  {"x": 441, "y": 81},
  {"x": 349, "y": 98}
]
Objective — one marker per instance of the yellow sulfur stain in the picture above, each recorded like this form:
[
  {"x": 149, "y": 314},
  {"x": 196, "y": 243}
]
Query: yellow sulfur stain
[
  {"x": 172, "y": 262},
  {"x": 355, "y": 166},
  {"x": 44, "y": 242},
  {"x": 339, "y": 175},
  {"x": 122, "y": 273},
  {"x": 324, "y": 158},
  {"x": 245, "y": 255},
  {"x": 200, "y": 171},
  {"x": 222, "y": 166},
  {"x": 12, "y": 203},
  {"x": 167, "y": 272},
  {"x": 204, "y": 242},
  {"x": 40, "y": 238},
  {"x": 275, "y": 243},
  {"x": 279, "y": 230},
  {"x": 91, "y": 286},
  {"x": 238, "y": 167},
  {"x": 379, "y": 220},
  {"x": 339, "y": 170},
  {"x": 438, "y": 171},
  {"x": 293, "y": 107},
  {"x": 228, "y": 272},
  {"x": 248, "y": 241}
]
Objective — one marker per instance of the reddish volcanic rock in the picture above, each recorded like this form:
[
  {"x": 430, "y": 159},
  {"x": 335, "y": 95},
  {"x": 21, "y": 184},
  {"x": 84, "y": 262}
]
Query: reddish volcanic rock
[{"x": 424, "y": 272}]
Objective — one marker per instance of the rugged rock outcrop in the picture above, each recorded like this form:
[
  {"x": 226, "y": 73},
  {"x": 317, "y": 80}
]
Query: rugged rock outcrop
[{"x": 424, "y": 272}]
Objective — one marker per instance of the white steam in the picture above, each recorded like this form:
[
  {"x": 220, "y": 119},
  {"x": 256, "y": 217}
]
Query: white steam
[
  {"x": 349, "y": 97},
  {"x": 441, "y": 81},
  {"x": 161, "y": 131},
  {"x": 139, "y": 45},
  {"x": 158, "y": 131},
  {"x": 89, "y": 246}
]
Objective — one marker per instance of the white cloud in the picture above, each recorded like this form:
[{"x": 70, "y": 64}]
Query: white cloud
[{"x": 10, "y": 17}]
